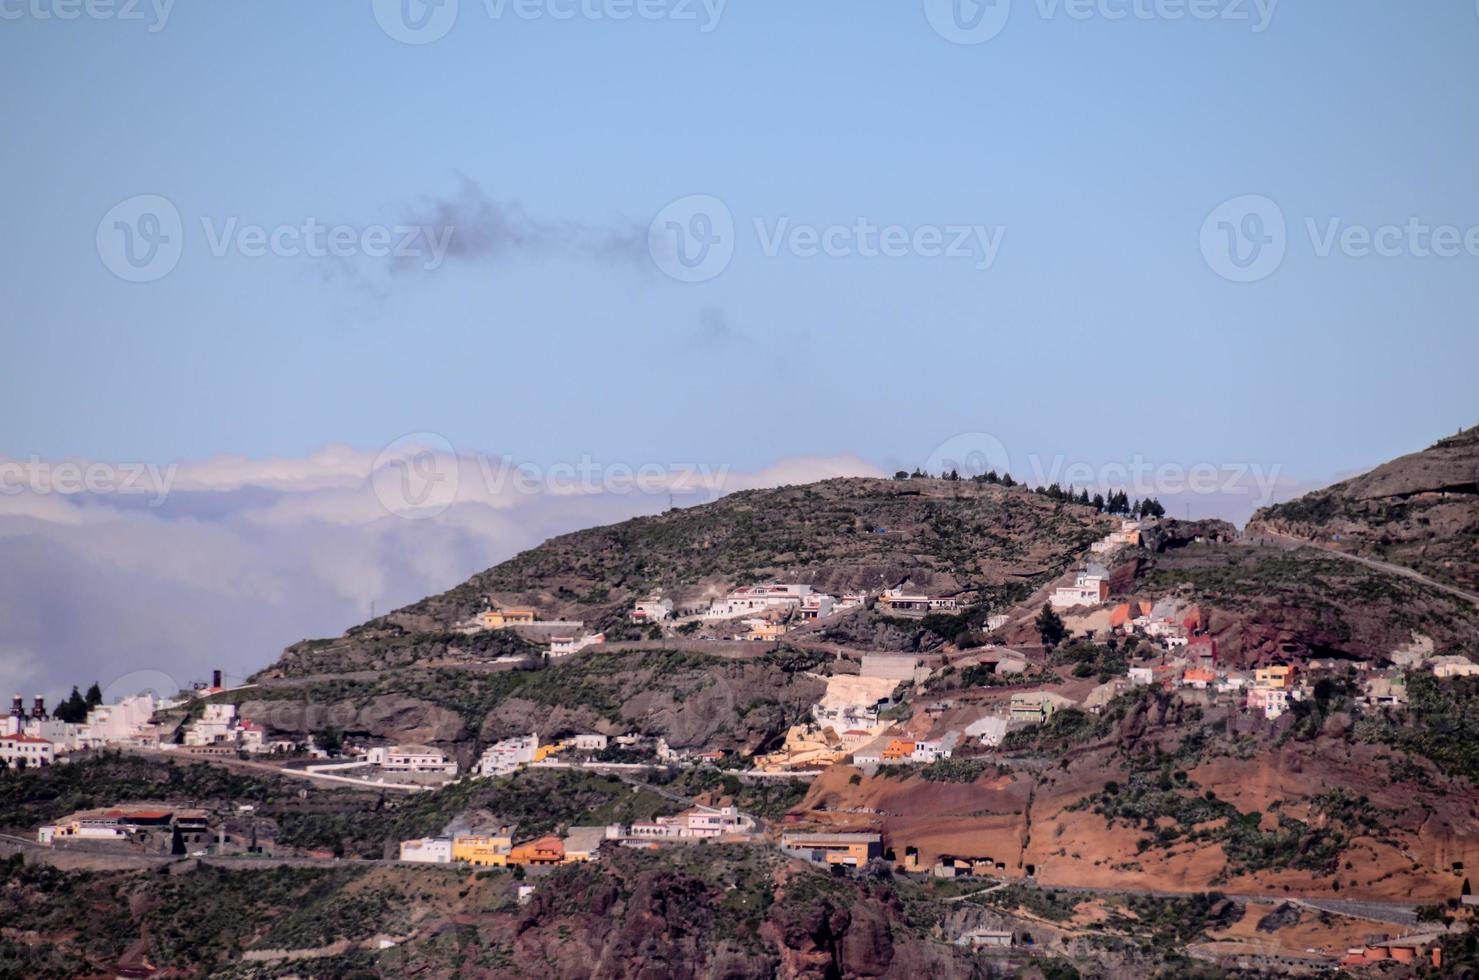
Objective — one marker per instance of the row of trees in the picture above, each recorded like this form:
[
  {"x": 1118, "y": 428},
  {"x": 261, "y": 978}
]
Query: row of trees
[
  {"x": 1118, "y": 502},
  {"x": 75, "y": 707}
]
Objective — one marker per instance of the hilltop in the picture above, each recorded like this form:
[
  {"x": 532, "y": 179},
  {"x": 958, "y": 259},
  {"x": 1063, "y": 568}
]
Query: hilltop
[
  {"x": 949, "y": 537},
  {"x": 1420, "y": 511}
]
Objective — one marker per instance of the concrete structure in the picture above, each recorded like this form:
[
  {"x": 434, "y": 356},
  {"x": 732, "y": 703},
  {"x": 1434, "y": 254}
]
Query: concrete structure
[
  {"x": 894, "y": 667},
  {"x": 1453, "y": 666},
  {"x": 427, "y": 850},
  {"x": 584, "y": 843},
  {"x": 989, "y": 731},
  {"x": 508, "y": 756},
  {"x": 590, "y": 743},
  {"x": 850, "y": 850}
]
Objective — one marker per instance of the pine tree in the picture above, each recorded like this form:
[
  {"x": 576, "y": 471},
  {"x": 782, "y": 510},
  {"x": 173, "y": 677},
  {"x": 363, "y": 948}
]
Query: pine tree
[
  {"x": 1050, "y": 626},
  {"x": 73, "y": 710},
  {"x": 94, "y": 695}
]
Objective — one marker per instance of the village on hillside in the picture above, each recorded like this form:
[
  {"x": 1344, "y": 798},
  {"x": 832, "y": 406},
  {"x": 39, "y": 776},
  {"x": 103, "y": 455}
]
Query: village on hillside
[{"x": 971, "y": 708}]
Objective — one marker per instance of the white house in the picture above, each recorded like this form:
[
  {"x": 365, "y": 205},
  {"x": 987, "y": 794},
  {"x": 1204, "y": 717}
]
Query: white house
[
  {"x": 110, "y": 724},
  {"x": 411, "y": 758},
  {"x": 653, "y": 609},
  {"x": 699, "y": 823},
  {"x": 506, "y": 756},
  {"x": 931, "y": 749},
  {"x": 253, "y": 737},
  {"x": 1141, "y": 676},
  {"x": 564, "y": 646},
  {"x": 1090, "y": 588},
  {"x": 26, "y": 750},
  {"x": 590, "y": 742},
  {"x": 818, "y": 605},
  {"x": 427, "y": 850},
  {"x": 749, "y": 599},
  {"x": 216, "y": 724}
]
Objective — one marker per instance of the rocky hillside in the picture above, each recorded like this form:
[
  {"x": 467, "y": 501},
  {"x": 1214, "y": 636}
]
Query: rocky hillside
[
  {"x": 692, "y": 700},
  {"x": 1272, "y": 602},
  {"x": 1420, "y": 511},
  {"x": 952, "y": 537}
]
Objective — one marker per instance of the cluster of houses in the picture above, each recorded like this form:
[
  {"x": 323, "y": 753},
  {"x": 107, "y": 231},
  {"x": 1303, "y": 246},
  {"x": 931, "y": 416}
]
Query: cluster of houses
[
  {"x": 509, "y": 755},
  {"x": 765, "y": 609},
  {"x": 1091, "y": 583},
  {"x": 564, "y": 637},
  {"x": 497, "y": 849},
  {"x": 148, "y": 827},
  {"x": 34, "y": 738}
]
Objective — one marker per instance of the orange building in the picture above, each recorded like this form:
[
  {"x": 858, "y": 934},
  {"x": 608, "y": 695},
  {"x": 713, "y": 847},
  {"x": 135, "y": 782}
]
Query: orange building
[
  {"x": 899, "y": 748},
  {"x": 543, "y": 851}
]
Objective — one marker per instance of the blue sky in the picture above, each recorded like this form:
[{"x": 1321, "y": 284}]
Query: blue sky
[
  {"x": 1097, "y": 153},
  {"x": 1097, "y": 145}
]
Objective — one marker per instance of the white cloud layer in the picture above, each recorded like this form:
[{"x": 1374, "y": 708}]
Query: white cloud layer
[{"x": 221, "y": 563}]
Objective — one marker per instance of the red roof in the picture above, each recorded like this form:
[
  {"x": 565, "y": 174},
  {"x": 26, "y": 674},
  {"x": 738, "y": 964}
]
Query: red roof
[{"x": 24, "y": 738}]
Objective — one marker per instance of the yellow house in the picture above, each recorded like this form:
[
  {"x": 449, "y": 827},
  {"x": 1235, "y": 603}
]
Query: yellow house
[
  {"x": 768, "y": 631},
  {"x": 549, "y": 749},
  {"x": 494, "y": 619},
  {"x": 1279, "y": 677},
  {"x": 486, "y": 850}
]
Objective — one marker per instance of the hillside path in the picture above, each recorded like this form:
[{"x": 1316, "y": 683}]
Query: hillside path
[{"x": 1381, "y": 566}]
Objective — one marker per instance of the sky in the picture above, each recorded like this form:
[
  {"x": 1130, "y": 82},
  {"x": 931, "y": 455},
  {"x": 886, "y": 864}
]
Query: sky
[{"x": 261, "y": 246}]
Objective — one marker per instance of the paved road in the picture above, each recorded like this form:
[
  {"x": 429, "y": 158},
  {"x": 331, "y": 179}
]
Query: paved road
[
  {"x": 1390, "y": 912},
  {"x": 1289, "y": 541},
  {"x": 231, "y": 762}
]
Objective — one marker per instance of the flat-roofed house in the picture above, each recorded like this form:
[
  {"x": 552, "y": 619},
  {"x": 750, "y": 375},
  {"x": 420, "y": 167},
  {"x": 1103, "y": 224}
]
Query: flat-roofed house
[
  {"x": 427, "y": 850},
  {"x": 411, "y": 758},
  {"x": 851, "y": 850}
]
